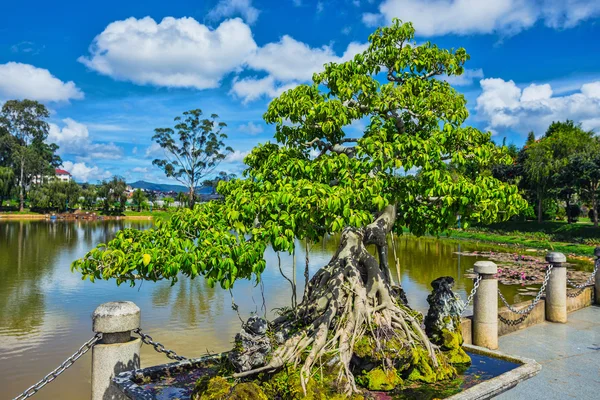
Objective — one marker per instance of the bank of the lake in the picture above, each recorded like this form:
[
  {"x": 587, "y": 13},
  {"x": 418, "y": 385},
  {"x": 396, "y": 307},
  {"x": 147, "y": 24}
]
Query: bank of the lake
[{"x": 578, "y": 239}]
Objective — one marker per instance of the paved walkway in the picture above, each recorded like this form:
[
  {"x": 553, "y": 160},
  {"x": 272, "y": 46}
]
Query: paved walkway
[{"x": 569, "y": 354}]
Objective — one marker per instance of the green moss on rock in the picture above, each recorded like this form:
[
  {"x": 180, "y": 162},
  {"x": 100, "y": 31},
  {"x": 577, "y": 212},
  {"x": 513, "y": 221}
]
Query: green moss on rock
[
  {"x": 208, "y": 388},
  {"x": 247, "y": 391},
  {"x": 379, "y": 379},
  {"x": 452, "y": 347}
]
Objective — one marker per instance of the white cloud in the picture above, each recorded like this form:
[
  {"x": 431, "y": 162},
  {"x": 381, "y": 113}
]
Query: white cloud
[
  {"x": 320, "y": 7},
  {"x": 24, "y": 81},
  {"x": 287, "y": 63},
  {"x": 466, "y": 79},
  {"x": 134, "y": 150},
  {"x": 463, "y": 17},
  {"x": 142, "y": 170},
  {"x": 236, "y": 156},
  {"x": 154, "y": 150},
  {"x": 81, "y": 172},
  {"x": 251, "y": 128},
  {"x": 505, "y": 106},
  {"x": 173, "y": 53},
  {"x": 74, "y": 138},
  {"x": 229, "y": 8}
]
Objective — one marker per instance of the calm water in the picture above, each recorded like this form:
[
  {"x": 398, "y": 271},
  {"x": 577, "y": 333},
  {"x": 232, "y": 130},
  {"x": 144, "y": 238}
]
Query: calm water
[{"x": 45, "y": 309}]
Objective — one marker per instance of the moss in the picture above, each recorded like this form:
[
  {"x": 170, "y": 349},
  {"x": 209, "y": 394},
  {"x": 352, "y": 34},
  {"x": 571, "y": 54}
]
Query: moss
[
  {"x": 421, "y": 369},
  {"x": 207, "y": 388},
  {"x": 380, "y": 380},
  {"x": 247, "y": 391},
  {"x": 452, "y": 347}
]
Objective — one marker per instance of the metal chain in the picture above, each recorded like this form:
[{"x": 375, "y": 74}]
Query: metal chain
[
  {"x": 577, "y": 293},
  {"x": 472, "y": 294},
  {"x": 586, "y": 283},
  {"x": 60, "y": 369},
  {"x": 525, "y": 312},
  {"x": 147, "y": 339}
]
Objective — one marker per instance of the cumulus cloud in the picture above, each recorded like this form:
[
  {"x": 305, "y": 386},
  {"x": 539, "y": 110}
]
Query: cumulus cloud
[
  {"x": 24, "y": 81},
  {"x": 229, "y": 8},
  {"x": 251, "y": 128},
  {"x": 177, "y": 52},
  {"x": 73, "y": 138},
  {"x": 505, "y": 106},
  {"x": 464, "y": 17},
  {"x": 83, "y": 173},
  {"x": 287, "y": 63}
]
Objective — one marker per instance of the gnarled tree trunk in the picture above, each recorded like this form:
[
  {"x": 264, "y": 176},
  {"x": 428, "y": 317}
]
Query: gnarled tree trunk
[{"x": 349, "y": 298}]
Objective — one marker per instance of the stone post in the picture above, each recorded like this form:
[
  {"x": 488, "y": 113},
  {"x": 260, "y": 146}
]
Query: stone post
[
  {"x": 485, "y": 306},
  {"x": 117, "y": 351},
  {"x": 597, "y": 284},
  {"x": 556, "y": 291}
]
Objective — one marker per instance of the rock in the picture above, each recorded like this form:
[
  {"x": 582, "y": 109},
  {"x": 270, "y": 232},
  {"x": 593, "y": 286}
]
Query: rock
[
  {"x": 252, "y": 346},
  {"x": 442, "y": 323}
]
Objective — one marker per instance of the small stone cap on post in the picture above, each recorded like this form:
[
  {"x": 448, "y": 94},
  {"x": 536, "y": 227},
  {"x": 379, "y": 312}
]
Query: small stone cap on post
[
  {"x": 485, "y": 268},
  {"x": 116, "y": 316},
  {"x": 597, "y": 252},
  {"x": 556, "y": 258}
]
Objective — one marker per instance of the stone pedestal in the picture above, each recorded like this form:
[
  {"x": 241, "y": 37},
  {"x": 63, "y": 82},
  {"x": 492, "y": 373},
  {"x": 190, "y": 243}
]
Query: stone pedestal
[
  {"x": 556, "y": 291},
  {"x": 485, "y": 306},
  {"x": 117, "y": 351}
]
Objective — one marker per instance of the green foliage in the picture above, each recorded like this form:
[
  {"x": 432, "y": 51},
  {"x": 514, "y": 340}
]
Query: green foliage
[
  {"x": 193, "y": 149},
  {"x": 54, "y": 196},
  {"x": 90, "y": 195},
  {"x": 379, "y": 379},
  {"x": 113, "y": 195},
  {"x": 138, "y": 198},
  {"x": 414, "y": 122},
  {"x": 23, "y": 147},
  {"x": 7, "y": 182}
]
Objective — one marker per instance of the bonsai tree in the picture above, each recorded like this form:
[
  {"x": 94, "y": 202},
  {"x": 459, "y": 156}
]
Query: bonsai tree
[{"x": 320, "y": 177}]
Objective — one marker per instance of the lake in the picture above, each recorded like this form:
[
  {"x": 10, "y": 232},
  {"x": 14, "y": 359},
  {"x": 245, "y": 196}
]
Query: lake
[{"x": 45, "y": 309}]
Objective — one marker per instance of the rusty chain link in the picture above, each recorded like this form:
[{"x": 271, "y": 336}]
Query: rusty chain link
[
  {"x": 60, "y": 369},
  {"x": 147, "y": 339}
]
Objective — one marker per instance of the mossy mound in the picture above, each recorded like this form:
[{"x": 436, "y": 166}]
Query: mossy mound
[
  {"x": 218, "y": 388},
  {"x": 422, "y": 370},
  {"x": 452, "y": 347},
  {"x": 379, "y": 379}
]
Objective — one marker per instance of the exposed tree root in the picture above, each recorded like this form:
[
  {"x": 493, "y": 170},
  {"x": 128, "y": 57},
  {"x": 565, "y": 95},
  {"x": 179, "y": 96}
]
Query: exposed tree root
[{"x": 346, "y": 300}]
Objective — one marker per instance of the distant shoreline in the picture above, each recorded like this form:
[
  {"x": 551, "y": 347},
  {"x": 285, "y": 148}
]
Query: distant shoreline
[{"x": 7, "y": 216}]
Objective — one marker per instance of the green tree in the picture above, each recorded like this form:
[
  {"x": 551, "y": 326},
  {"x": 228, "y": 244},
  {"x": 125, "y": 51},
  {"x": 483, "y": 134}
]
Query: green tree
[
  {"x": 182, "y": 198},
  {"x": 168, "y": 202},
  {"x": 90, "y": 195},
  {"x": 583, "y": 172},
  {"x": 193, "y": 149},
  {"x": 7, "y": 181},
  {"x": 54, "y": 195},
  {"x": 138, "y": 198},
  {"x": 352, "y": 187},
  {"x": 113, "y": 194},
  {"x": 25, "y": 120}
]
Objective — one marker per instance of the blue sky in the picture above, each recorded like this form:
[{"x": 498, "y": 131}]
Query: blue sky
[{"x": 112, "y": 72}]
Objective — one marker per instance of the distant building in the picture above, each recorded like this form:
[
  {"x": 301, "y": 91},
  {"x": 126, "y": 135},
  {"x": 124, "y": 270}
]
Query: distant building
[
  {"x": 62, "y": 175},
  {"x": 59, "y": 174}
]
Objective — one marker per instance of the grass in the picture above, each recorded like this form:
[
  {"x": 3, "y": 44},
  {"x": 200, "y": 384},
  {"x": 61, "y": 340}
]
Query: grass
[
  {"x": 156, "y": 215},
  {"x": 26, "y": 211},
  {"x": 579, "y": 238}
]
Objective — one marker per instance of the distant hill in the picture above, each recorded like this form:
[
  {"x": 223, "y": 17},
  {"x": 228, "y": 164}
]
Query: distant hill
[{"x": 163, "y": 187}]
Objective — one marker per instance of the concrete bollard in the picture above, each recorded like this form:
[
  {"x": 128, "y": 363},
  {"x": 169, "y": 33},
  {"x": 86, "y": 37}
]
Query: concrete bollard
[
  {"x": 597, "y": 283},
  {"x": 485, "y": 306},
  {"x": 556, "y": 291},
  {"x": 117, "y": 351}
]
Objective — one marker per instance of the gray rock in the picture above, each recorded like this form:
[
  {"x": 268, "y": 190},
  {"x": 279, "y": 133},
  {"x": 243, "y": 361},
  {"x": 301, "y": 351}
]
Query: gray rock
[
  {"x": 444, "y": 309},
  {"x": 252, "y": 346}
]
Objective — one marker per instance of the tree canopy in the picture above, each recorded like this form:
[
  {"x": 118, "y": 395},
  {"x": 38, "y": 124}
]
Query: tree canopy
[
  {"x": 193, "y": 149},
  {"x": 323, "y": 174}
]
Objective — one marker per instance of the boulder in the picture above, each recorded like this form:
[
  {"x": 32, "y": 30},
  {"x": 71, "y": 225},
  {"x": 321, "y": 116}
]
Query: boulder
[
  {"x": 442, "y": 323},
  {"x": 252, "y": 346}
]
